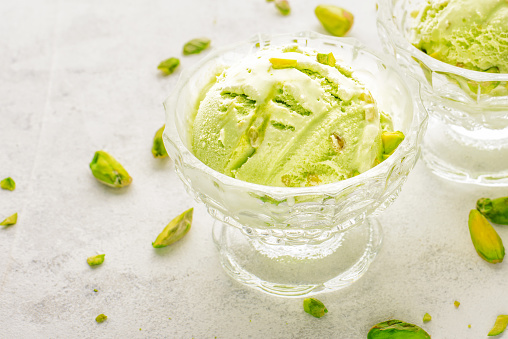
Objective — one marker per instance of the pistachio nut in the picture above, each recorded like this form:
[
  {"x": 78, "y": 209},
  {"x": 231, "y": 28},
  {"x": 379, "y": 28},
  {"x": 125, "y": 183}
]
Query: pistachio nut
[
  {"x": 8, "y": 184},
  {"x": 101, "y": 318},
  {"x": 396, "y": 329},
  {"x": 334, "y": 19},
  {"x": 283, "y": 6},
  {"x": 391, "y": 141},
  {"x": 9, "y": 221},
  {"x": 426, "y": 318},
  {"x": 168, "y": 66},
  {"x": 499, "y": 326},
  {"x": 485, "y": 239},
  {"x": 108, "y": 171},
  {"x": 496, "y": 210},
  {"x": 326, "y": 59},
  {"x": 175, "y": 230},
  {"x": 314, "y": 307},
  {"x": 278, "y": 63},
  {"x": 158, "y": 149},
  {"x": 196, "y": 46},
  {"x": 95, "y": 260}
]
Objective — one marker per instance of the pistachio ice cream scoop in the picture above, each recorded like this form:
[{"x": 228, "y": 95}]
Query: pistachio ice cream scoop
[
  {"x": 467, "y": 33},
  {"x": 283, "y": 118}
]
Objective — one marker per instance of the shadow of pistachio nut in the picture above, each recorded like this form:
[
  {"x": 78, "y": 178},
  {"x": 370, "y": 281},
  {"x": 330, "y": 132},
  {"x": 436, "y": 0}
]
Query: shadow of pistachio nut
[
  {"x": 499, "y": 326},
  {"x": 9, "y": 221},
  {"x": 396, "y": 329},
  {"x": 196, "y": 46},
  {"x": 8, "y": 184},
  {"x": 495, "y": 210},
  {"x": 314, "y": 307},
  {"x": 95, "y": 260},
  {"x": 108, "y": 171},
  {"x": 175, "y": 230},
  {"x": 283, "y": 6},
  {"x": 486, "y": 241},
  {"x": 168, "y": 66},
  {"x": 335, "y": 20},
  {"x": 158, "y": 149}
]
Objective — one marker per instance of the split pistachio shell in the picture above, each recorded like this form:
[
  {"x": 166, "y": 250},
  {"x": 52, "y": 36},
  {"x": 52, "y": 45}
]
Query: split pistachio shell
[
  {"x": 196, "y": 46},
  {"x": 326, "y": 59},
  {"x": 391, "y": 140},
  {"x": 314, "y": 307},
  {"x": 495, "y": 210},
  {"x": 334, "y": 19},
  {"x": 396, "y": 329},
  {"x": 499, "y": 326},
  {"x": 8, "y": 184},
  {"x": 485, "y": 239},
  {"x": 278, "y": 63},
  {"x": 158, "y": 149},
  {"x": 12, "y": 220},
  {"x": 108, "y": 171},
  {"x": 283, "y": 6},
  {"x": 101, "y": 318},
  {"x": 168, "y": 66},
  {"x": 95, "y": 260},
  {"x": 175, "y": 230}
]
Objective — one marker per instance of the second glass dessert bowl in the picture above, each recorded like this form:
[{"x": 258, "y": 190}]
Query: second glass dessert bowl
[
  {"x": 298, "y": 241},
  {"x": 467, "y": 138}
]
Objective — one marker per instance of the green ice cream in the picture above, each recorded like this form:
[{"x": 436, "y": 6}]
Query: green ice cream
[
  {"x": 467, "y": 33},
  {"x": 281, "y": 118}
]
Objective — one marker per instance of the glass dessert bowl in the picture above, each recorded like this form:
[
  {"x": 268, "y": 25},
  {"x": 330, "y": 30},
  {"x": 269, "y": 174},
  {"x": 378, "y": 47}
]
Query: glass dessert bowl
[
  {"x": 467, "y": 138},
  {"x": 295, "y": 241}
]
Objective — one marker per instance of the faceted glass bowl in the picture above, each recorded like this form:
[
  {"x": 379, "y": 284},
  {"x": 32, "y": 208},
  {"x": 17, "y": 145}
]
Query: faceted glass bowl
[
  {"x": 296, "y": 241},
  {"x": 467, "y": 138}
]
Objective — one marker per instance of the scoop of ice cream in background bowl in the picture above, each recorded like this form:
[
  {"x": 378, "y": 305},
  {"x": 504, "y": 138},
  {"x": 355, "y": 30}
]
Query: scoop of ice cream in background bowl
[
  {"x": 292, "y": 216},
  {"x": 458, "y": 51}
]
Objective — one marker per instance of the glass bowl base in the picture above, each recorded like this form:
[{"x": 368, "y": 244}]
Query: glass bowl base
[
  {"x": 476, "y": 157},
  {"x": 282, "y": 269}
]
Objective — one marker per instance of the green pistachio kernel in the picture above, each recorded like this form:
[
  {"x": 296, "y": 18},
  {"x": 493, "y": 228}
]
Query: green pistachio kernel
[
  {"x": 168, "y": 66},
  {"x": 196, "y": 46},
  {"x": 279, "y": 63},
  {"x": 101, "y": 318},
  {"x": 456, "y": 303},
  {"x": 95, "y": 260},
  {"x": 391, "y": 140},
  {"x": 314, "y": 307},
  {"x": 499, "y": 326},
  {"x": 396, "y": 329},
  {"x": 175, "y": 230},
  {"x": 283, "y": 6},
  {"x": 496, "y": 210},
  {"x": 12, "y": 220},
  {"x": 426, "y": 318},
  {"x": 334, "y": 19},
  {"x": 109, "y": 171},
  {"x": 158, "y": 149},
  {"x": 486, "y": 241},
  {"x": 326, "y": 59},
  {"x": 8, "y": 184}
]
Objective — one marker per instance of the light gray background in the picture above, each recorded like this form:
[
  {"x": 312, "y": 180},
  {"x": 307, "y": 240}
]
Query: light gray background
[{"x": 79, "y": 76}]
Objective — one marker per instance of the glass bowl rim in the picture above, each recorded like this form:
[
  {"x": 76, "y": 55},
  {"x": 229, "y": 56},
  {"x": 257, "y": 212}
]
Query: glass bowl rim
[
  {"x": 412, "y": 136},
  {"x": 386, "y": 18}
]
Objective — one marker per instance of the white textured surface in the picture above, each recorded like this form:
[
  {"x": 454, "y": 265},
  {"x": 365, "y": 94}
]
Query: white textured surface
[{"x": 78, "y": 76}]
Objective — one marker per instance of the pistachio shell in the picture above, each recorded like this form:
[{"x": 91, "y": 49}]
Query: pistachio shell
[{"x": 485, "y": 239}]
